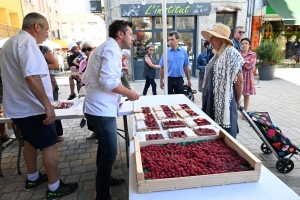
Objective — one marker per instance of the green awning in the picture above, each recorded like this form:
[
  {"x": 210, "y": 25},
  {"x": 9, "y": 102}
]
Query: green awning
[
  {"x": 291, "y": 22},
  {"x": 288, "y": 10}
]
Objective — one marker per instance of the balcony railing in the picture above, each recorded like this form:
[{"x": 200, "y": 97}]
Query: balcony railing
[{"x": 7, "y": 31}]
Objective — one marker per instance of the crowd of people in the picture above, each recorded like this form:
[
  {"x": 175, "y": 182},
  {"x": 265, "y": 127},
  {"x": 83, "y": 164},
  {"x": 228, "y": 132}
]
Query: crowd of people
[{"x": 29, "y": 89}]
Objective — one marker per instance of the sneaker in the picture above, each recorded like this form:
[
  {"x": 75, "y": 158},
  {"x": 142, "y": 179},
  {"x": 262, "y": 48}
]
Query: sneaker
[
  {"x": 116, "y": 182},
  {"x": 64, "y": 189},
  {"x": 82, "y": 123},
  {"x": 30, "y": 185},
  {"x": 72, "y": 96},
  {"x": 93, "y": 136}
]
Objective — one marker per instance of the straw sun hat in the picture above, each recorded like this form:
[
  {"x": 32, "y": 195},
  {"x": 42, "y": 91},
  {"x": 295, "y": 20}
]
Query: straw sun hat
[{"x": 218, "y": 30}]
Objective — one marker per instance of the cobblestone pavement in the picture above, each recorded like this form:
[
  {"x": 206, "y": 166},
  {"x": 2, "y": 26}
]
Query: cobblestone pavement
[{"x": 280, "y": 97}]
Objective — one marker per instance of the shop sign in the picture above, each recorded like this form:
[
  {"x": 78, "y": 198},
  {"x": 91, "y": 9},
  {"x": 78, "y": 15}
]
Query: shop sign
[
  {"x": 172, "y": 9},
  {"x": 93, "y": 6}
]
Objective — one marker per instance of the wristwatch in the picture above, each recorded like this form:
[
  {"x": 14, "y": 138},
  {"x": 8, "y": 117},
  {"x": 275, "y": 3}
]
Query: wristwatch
[{"x": 188, "y": 78}]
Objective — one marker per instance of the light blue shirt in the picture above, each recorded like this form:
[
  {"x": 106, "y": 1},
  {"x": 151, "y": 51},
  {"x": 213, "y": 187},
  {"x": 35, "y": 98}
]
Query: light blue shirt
[{"x": 177, "y": 59}]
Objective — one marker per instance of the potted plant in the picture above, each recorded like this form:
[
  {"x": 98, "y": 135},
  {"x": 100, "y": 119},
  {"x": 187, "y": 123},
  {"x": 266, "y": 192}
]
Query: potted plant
[
  {"x": 269, "y": 55},
  {"x": 262, "y": 28}
]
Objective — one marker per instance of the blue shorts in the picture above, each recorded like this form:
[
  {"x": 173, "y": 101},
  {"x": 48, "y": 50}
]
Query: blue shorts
[{"x": 35, "y": 132}]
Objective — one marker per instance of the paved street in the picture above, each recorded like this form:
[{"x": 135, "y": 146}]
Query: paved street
[{"x": 280, "y": 97}]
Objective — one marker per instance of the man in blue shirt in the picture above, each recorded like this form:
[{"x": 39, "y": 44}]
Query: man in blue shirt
[
  {"x": 178, "y": 65},
  {"x": 238, "y": 35},
  {"x": 202, "y": 61}
]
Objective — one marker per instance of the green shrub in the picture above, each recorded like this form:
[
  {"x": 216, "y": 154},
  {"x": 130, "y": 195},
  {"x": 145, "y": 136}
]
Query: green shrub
[{"x": 269, "y": 54}]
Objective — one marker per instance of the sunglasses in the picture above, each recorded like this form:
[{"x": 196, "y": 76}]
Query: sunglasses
[
  {"x": 241, "y": 32},
  {"x": 86, "y": 49},
  {"x": 151, "y": 49}
]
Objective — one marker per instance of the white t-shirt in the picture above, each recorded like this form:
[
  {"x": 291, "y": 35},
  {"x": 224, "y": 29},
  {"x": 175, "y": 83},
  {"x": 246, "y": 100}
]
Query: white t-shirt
[
  {"x": 102, "y": 75},
  {"x": 60, "y": 59},
  {"x": 20, "y": 57}
]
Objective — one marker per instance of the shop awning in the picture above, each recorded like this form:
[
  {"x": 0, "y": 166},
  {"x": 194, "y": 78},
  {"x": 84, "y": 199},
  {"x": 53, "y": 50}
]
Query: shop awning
[
  {"x": 64, "y": 44},
  {"x": 288, "y": 10},
  {"x": 52, "y": 45}
]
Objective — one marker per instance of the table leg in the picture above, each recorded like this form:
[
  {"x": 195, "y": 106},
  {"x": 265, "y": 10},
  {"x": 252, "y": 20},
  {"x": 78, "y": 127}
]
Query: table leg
[
  {"x": 20, "y": 140},
  {"x": 1, "y": 173},
  {"x": 126, "y": 138}
]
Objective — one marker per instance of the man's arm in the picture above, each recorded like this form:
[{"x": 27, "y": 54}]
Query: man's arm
[
  {"x": 37, "y": 88},
  {"x": 238, "y": 88},
  {"x": 109, "y": 75},
  {"x": 161, "y": 76},
  {"x": 161, "y": 71},
  {"x": 130, "y": 94},
  {"x": 187, "y": 73}
]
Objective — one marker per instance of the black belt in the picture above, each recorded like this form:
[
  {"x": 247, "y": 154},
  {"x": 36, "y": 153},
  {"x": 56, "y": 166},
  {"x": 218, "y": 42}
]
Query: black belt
[{"x": 174, "y": 77}]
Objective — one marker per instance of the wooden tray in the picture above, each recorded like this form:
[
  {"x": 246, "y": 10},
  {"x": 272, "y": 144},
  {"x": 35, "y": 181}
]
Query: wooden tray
[{"x": 145, "y": 186}]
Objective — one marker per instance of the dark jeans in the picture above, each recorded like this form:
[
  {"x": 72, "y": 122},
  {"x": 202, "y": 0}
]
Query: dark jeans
[
  {"x": 106, "y": 131},
  {"x": 149, "y": 81},
  {"x": 175, "y": 85}
]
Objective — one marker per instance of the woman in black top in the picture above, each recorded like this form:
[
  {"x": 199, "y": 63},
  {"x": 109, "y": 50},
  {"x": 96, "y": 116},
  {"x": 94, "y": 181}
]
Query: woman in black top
[{"x": 149, "y": 70}]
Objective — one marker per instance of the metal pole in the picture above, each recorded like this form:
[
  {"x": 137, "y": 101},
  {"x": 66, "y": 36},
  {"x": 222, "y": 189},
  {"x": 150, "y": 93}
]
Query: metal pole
[{"x": 164, "y": 18}]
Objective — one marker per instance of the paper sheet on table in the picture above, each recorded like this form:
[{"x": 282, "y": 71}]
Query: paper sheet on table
[{"x": 79, "y": 107}]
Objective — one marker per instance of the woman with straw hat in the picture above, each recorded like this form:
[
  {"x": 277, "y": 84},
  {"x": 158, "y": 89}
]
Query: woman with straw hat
[{"x": 223, "y": 81}]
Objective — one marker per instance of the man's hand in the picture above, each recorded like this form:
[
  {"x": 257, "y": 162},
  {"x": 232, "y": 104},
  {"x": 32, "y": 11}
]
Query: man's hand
[
  {"x": 50, "y": 115},
  {"x": 132, "y": 95},
  {"x": 189, "y": 83},
  {"x": 161, "y": 84}
]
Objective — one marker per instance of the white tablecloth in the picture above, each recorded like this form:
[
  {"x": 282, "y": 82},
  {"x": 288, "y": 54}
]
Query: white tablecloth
[
  {"x": 76, "y": 110},
  {"x": 268, "y": 187}
]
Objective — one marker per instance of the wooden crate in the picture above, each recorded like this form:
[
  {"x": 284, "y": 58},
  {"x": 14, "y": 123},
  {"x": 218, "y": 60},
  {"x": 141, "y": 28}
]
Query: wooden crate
[{"x": 145, "y": 186}]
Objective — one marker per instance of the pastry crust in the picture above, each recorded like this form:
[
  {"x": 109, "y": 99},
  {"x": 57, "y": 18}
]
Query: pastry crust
[
  {"x": 161, "y": 115},
  {"x": 182, "y": 114},
  {"x": 139, "y": 116},
  {"x": 157, "y": 108},
  {"x": 189, "y": 122},
  {"x": 176, "y": 107},
  {"x": 141, "y": 126},
  {"x": 137, "y": 109}
]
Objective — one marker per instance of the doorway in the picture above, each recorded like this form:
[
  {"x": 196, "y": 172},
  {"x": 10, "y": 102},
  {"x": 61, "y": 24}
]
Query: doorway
[{"x": 148, "y": 30}]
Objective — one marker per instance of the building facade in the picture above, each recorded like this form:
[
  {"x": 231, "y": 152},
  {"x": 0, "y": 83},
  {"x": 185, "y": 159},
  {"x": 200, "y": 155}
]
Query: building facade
[
  {"x": 79, "y": 23},
  {"x": 277, "y": 21},
  {"x": 50, "y": 10},
  {"x": 11, "y": 16},
  {"x": 189, "y": 18}
]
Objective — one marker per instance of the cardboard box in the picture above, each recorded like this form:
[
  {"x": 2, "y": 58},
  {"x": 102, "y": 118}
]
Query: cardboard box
[{"x": 145, "y": 186}]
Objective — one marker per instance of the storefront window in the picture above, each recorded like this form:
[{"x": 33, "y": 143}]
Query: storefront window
[
  {"x": 185, "y": 22},
  {"x": 140, "y": 44},
  {"x": 228, "y": 19},
  {"x": 142, "y": 23},
  {"x": 159, "y": 22}
]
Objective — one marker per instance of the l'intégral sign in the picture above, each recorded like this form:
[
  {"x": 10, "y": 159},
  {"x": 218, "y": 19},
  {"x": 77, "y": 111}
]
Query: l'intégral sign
[{"x": 172, "y": 9}]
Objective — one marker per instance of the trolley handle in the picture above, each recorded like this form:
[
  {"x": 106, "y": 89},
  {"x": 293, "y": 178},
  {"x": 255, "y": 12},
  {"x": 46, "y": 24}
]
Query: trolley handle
[{"x": 241, "y": 108}]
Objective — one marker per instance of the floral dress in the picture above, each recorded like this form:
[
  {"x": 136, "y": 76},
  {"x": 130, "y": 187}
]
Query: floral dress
[{"x": 248, "y": 84}]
